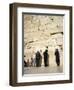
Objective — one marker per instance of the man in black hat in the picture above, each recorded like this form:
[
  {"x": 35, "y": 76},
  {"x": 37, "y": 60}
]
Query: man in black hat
[
  {"x": 57, "y": 57},
  {"x": 46, "y": 58}
]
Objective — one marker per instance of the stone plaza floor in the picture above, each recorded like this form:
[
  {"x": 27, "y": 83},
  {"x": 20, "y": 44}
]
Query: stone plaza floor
[{"x": 42, "y": 69}]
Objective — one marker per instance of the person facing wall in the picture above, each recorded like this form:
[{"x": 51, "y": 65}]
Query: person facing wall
[
  {"x": 57, "y": 55},
  {"x": 46, "y": 58},
  {"x": 38, "y": 59}
]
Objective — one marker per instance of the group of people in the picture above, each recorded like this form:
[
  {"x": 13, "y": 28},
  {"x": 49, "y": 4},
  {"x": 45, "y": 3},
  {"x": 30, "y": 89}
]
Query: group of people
[{"x": 36, "y": 61}]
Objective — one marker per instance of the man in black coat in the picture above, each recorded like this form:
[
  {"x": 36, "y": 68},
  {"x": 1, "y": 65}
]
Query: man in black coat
[
  {"x": 25, "y": 64},
  {"x": 46, "y": 58},
  {"x": 57, "y": 57},
  {"x": 38, "y": 59}
]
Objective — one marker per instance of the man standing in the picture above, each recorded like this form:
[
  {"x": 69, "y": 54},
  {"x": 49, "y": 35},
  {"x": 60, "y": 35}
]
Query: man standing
[
  {"x": 38, "y": 59},
  {"x": 57, "y": 57},
  {"x": 46, "y": 58}
]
